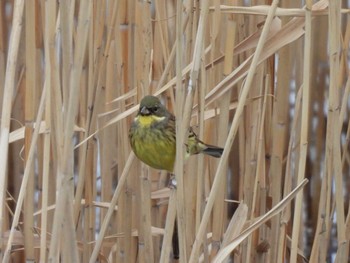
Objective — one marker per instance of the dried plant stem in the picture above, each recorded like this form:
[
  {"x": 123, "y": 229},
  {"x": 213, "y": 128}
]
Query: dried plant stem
[
  {"x": 180, "y": 133},
  {"x": 304, "y": 131},
  {"x": 65, "y": 170},
  {"x": 26, "y": 177},
  {"x": 219, "y": 174},
  {"x": 336, "y": 123},
  {"x": 30, "y": 109},
  {"x": 169, "y": 228},
  {"x": 111, "y": 207},
  {"x": 45, "y": 184},
  {"x": 280, "y": 83},
  {"x": 274, "y": 211},
  {"x": 9, "y": 87}
]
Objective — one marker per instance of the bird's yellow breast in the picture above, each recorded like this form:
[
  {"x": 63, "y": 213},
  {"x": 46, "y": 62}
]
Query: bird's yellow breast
[
  {"x": 148, "y": 120},
  {"x": 154, "y": 146}
]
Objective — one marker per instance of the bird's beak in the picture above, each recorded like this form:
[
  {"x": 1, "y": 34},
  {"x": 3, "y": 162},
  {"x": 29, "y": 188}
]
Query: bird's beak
[{"x": 144, "y": 111}]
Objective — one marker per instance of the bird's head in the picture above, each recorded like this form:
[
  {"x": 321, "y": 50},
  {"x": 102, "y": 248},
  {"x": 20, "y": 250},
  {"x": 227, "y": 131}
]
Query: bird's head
[{"x": 151, "y": 106}]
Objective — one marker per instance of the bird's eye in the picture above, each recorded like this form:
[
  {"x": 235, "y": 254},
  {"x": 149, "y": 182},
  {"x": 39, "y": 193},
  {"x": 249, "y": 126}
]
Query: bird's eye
[{"x": 155, "y": 109}]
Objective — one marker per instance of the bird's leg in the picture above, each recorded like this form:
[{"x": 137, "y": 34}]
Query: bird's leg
[
  {"x": 172, "y": 181},
  {"x": 175, "y": 240}
]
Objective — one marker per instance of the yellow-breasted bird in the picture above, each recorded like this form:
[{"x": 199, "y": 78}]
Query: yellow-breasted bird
[{"x": 153, "y": 138}]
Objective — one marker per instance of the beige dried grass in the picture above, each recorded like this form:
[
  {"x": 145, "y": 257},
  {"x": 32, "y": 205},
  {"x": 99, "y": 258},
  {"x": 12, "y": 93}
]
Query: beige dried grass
[{"x": 261, "y": 70}]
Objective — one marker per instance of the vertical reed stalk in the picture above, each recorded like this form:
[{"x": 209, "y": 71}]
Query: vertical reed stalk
[
  {"x": 304, "y": 130},
  {"x": 9, "y": 87}
]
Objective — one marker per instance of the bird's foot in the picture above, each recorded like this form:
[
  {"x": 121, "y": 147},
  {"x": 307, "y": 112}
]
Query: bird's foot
[{"x": 172, "y": 182}]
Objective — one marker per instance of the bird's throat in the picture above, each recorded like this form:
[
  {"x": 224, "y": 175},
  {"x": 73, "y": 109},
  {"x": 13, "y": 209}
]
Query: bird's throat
[{"x": 148, "y": 120}]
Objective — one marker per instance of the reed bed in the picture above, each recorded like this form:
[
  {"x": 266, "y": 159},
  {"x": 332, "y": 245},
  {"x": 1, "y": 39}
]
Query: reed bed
[{"x": 266, "y": 80}]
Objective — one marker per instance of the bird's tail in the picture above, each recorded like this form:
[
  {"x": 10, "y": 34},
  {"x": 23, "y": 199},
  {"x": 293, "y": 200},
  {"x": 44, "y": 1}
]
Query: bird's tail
[
  {"x": 195, "y": 146},
  {"x": 213, "y": 151}
]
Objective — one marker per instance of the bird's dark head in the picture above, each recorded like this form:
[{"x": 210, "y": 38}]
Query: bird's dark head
[{"x": 151, "y": 105}]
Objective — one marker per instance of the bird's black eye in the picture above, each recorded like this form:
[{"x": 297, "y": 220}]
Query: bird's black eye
[{"x": 155, "y": 109}]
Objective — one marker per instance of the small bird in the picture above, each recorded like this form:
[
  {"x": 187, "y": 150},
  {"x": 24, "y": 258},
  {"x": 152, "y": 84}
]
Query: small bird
[{"x": 153, "y": 136}]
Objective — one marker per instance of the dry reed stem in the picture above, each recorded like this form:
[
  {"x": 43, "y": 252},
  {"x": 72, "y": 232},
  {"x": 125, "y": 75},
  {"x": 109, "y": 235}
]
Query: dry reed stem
[
  {"x": 9, "y": 87},
  {"x": 180, "y": 135},
  {"x": 220, "y": 207},
  {"x": 109, "y": 213},
  {"x": 235, "y": 226},
  {"x": 30, "y": 108},
  {"x": 131, "y": 48},
  {"x": 45, "y": 183},
  {"x": 145, "y": 218},
  {"x": 49, "y": 84},
  {"x": 229, "y": 141},
  {"x": 259, "y": 180},
  {"x": 304, "y": 131},
  {"x": 26, "y": 177},
  {"x": 334, "y": 108},
  {"x": 274, "y": 211},
  {"x": 280, "y": 12},
  {"x": 65, "y": 190},
  {"x": 200, "y": 194},
  {"x": 169, "y": 227}
]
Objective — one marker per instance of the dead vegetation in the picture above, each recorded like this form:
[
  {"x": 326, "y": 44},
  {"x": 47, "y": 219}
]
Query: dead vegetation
[{"x": 268, "y": 80}]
